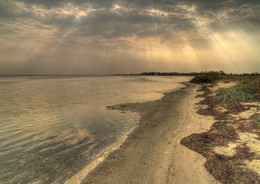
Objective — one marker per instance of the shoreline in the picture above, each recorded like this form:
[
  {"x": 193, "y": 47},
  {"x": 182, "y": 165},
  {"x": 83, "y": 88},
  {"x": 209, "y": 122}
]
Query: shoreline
[
  {"x": 100, "y": 157},
  {"x": 152, "y": 153}
]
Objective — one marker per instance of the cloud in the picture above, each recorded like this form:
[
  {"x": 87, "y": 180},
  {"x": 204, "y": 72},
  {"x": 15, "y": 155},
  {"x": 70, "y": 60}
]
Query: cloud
[
  {"x": 111, "y": 18},
  {"x": 122, "y": 25}
]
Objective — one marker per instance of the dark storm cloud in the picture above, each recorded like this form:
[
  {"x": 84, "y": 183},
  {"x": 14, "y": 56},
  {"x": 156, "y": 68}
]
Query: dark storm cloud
[
  {"x": 133, "y": 22},
  {"x": 140, "y": 18},
  {"x": 201, "y": 4},
  {"x": 221, "y": 4},
  {"x": 86, "y": 32},
  {"x": 56, "y": 3},
  {"x": 6, "y": 11}
]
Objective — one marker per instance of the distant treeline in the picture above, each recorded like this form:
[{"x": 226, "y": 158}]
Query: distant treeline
[
  {"x": 192, "y": 73},
  {"x": 167, "y": 74}
]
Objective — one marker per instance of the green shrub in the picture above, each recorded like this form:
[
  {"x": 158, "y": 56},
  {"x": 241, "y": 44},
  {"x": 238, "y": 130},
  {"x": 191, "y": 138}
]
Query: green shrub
[
  {"x": 207, "y": 77},
  {"x": 238, "y": 93},
  {"x": 202, "y": 78}
]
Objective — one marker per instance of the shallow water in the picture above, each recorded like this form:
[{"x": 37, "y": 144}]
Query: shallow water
[{"x": 52, "y": 127}]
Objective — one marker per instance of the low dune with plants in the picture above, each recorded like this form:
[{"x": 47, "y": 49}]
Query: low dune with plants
[{"x": 232, "y": 144}]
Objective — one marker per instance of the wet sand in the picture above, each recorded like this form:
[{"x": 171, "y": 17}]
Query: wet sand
[{"x": 153, "y": 153}]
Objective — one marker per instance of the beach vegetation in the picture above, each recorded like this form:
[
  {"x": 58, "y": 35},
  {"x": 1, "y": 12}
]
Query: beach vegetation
[
  {"x": 253, "y": 83},
  {"x": 226, "y": 112},
  {"x": 237, "y": 93},
  {"x": 256, "y": 122},
  {"x": 247, "y": 89},
  {"x": 208, "y": 77},
  {"x": 226, "y": 81}
]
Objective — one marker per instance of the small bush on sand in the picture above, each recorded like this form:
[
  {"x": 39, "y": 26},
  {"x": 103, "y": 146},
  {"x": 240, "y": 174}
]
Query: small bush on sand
[
  {"x": 202, "y": 78},
  {"x": 238, "y": 93},
  {"x": 208, "y": 77}
]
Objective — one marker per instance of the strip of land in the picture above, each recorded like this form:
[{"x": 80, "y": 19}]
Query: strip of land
[
  {"x": 153, "y": 153},
  {"x": 232, "y": 145}
]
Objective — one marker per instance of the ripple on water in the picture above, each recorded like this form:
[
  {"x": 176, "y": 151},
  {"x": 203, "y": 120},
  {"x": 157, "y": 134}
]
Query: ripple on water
[{"x": 51, "y": 128}]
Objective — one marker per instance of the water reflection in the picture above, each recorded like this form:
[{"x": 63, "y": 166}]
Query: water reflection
[{"x": 52, "y": 127}]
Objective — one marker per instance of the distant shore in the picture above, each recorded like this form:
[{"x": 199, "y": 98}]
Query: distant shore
[{"x": 153, "y": 153}]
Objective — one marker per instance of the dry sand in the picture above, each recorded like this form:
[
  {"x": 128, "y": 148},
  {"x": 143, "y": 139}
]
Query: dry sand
[{"x": 153, "y": 153}]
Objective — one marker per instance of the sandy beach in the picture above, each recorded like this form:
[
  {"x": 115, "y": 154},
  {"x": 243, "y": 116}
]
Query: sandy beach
[
  {"x": 153, "y": 153},
  {"x": 231, "y": 145}
]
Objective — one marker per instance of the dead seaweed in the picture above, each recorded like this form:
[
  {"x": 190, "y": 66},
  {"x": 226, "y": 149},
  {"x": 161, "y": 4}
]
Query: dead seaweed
[
  {"x": 226, "y": 169},
  {"x": 229, "y": 170},
  {"x": 251, "y": 125},
  {"x": 234, "y": 107},
  {"x": 243, "y": 152},
  {"x": 211, "y": 111},
  {"x": 219, "y": 134}
]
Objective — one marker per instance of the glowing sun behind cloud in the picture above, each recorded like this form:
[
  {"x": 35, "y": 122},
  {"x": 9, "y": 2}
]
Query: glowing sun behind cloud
[{"x": 104, "y": 37}]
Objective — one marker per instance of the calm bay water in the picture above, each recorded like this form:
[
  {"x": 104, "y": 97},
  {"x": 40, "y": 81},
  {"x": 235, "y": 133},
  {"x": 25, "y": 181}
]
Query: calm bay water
[{"x": 53, "y": 127}]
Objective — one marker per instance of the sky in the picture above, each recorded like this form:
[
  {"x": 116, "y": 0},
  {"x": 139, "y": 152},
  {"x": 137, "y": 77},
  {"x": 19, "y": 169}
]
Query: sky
[{"x": 78, "y": 37}]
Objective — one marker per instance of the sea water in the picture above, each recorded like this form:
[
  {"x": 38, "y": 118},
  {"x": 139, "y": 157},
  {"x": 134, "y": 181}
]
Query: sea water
[{"x": 52, "y": 127}]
